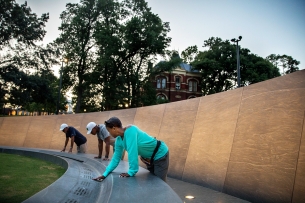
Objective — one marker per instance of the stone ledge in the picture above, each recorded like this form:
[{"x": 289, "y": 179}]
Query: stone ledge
[{"x": 77, "y": 186}]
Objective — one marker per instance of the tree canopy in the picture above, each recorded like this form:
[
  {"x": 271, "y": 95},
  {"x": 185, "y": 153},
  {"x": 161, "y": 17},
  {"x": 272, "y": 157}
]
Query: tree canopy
[
  {"x": 20, "y": 24},
  {"x": 217, "y": 66},
  {"x": 25, "y": 67},
  {"x": 112, "y": 48},
  {"x": 285, "y": 63},
  {"x": 109, "y": 45}
]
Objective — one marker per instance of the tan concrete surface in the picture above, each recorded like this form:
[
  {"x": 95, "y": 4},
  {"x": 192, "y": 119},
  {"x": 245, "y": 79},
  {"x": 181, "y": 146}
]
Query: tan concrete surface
[
  {"x": 126, "y": 115},
  {"x": 14, "y": 131},
  {"x": 266, "y": 144},
  {"x": 40, "y": 132},
  {"x": 299, "y": 188},
  {"x": 150, "y": 119},
  {"x": 248, "y": 142},
  {"x": 212, "y": 139},
  {"x": 1, "y": 120},
  {"x": 176, "y": 131}
]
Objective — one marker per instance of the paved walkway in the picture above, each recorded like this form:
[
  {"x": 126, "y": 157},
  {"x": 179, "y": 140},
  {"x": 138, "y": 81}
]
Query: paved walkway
[
  {"x": 201, "y": 194},
  {"x": 76, "y": 184}
]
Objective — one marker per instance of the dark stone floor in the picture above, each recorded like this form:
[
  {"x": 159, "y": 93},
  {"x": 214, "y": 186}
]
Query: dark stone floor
[
  {"x": 201, "y": 194},
  {"x": 76, "y": 185}
]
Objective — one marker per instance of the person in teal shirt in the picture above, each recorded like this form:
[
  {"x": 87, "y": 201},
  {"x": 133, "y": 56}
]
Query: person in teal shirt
[{"x": 153, "y": 153}]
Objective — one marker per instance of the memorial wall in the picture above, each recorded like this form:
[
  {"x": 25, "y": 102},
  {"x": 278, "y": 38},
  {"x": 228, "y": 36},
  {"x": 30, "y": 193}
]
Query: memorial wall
[{"x": 248, "y": 142}]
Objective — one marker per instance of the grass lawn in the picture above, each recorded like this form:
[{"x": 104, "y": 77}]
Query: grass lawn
[{"x": 21, "y": 176}]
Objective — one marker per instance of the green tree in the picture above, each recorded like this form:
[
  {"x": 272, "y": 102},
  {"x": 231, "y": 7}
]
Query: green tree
[
  {"x": 255, "y": 69},
  {"x": 126, "y": 48},
  {"x": 284, "y": 62},
  {"x": 110, "y": 45},
  {"x": 76, "y": 42},
  {"x": 189, "y": 54},
  {"x": 148, "y": 96},
  {"x": 218, "y": 66},
  {"x": 23, "y": 89},
  {"x": 25, "y": 67},
  {"x": 18, "y": 23}
]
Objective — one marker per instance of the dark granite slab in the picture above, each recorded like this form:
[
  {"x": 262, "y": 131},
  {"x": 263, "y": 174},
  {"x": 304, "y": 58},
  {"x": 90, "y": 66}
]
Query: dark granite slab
[{"x": 77, "y": 186}]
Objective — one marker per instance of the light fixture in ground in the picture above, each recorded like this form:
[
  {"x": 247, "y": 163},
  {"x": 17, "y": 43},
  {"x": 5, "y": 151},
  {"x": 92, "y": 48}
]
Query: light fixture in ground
[{"x": 189, "y": 197}]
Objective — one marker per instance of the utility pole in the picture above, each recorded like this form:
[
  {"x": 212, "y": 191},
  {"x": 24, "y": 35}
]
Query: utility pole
[{"x": 237, "y": 57}]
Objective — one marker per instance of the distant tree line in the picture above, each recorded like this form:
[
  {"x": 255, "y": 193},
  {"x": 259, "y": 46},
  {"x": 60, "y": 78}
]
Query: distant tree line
[
  {"x": 217, "y": 65},
  {"x": 26, "y": 79},
  {"x": 112, "y": 48}
]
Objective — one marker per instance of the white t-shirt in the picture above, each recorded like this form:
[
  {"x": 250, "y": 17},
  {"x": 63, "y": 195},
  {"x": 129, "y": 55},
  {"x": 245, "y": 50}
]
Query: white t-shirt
[{"x": 103, "y": 134}]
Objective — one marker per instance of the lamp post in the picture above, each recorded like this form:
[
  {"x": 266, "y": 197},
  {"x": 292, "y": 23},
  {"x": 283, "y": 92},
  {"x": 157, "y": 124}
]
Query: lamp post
[
  {"x": 60, "y": 81},
  {"x": 237, "y": 57}
]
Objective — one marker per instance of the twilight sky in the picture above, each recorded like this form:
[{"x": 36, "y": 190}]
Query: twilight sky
[{"x": 267, "y": 26}]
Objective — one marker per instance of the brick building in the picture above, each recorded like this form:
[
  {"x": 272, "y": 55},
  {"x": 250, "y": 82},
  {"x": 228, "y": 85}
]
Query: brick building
[{"x": 180, "y": 84}]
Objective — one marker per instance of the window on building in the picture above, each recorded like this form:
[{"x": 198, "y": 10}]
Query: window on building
[
  {"x": 161, "y": 83},
  {"x": 192, "y": 86},
  {"x": 178, "y": 83}
]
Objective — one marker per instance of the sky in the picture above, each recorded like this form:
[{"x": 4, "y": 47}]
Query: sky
[{"x": 266, "y": 26}]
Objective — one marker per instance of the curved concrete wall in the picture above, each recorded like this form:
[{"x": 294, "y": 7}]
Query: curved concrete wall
[{"x": 248, "y": 142}]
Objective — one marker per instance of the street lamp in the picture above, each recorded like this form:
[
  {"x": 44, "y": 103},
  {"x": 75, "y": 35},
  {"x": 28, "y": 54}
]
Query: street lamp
[
  {"x": 237, "y": 57},
  {"x": 60, "y": 81}
]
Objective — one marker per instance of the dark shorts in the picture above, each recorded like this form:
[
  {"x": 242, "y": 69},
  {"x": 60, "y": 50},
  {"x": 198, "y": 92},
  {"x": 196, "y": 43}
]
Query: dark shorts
[{"x": 160, "y": 167}]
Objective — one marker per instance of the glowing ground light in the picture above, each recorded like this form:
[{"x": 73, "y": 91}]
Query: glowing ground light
[{"x": 189, "y": 197}]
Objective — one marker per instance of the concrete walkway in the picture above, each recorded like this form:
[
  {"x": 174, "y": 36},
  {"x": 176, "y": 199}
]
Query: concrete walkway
[
  {"x": 201, "y": 194},
  {"x": 76, "y": 184}
]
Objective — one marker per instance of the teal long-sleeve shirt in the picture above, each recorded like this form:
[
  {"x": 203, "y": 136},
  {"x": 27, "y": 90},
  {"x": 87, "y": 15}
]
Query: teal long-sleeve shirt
[{"x": 137, "y": 143}]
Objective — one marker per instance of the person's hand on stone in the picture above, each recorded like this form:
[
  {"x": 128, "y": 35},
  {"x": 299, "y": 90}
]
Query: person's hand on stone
[
  {"x": 100, "y": 178},
  {"x": 123, "y": 175}
]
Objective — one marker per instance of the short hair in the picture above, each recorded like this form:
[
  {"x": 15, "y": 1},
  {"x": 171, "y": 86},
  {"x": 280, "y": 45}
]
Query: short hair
[{"x": 113, "y": 122}]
